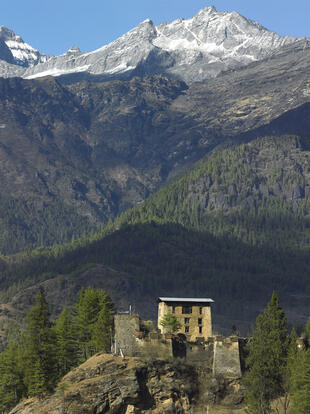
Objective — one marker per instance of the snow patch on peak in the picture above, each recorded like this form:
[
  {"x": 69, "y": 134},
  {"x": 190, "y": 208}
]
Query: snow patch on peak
[
  {"x": 193, "y": 49},
  {"x": 58, "y": 72},
  {"x": 207, "y": 10},
  {"x": 23, "y": 54},
  {"x": 74, "y": 49},
  {"x": 147, "y": 21}
]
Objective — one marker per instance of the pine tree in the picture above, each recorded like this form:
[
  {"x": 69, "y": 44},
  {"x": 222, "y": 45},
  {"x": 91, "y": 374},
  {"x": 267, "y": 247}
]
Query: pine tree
[
  {"x": 11, "y": 379},
  {"x": 287, "y": 383},
  {"x": 85, "y": 317},
  {"x": 102, "y": 331},
  {"x": 66, "y": 346},
  {"x": 40, "y": 362},
  {"x": 266, "y": 361},
  {"x": 307, "y": 333},
  {"x": 301, "y": 382}
]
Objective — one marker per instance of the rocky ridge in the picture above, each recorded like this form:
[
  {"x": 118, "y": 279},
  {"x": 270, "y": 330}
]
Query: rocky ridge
[
  {"x": 109, "y": 384},
  {"x": 192, "y": 50},
  {"x": 15, "y": 51},
  {"x": 86, "y": 152}
]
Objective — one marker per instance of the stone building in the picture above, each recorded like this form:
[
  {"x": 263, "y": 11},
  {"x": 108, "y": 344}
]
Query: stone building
[
  {"x": 194, "y": 315},
  {"x": 193, "y": 343}
]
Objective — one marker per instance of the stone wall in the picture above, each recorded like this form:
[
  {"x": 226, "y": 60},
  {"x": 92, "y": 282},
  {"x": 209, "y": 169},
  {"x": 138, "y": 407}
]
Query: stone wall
[
  {"x": 200, "y": 353},
  {"x": 126, "y": 328},
  {"x": 156, "y": 345},
  {"x": 227, "y": 357},
  {"x": 219, "y": 355}
]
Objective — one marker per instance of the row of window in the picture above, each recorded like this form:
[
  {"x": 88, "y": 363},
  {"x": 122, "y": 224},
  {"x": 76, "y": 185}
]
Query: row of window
[
  {"x": 186, "y": 321},
  {"x": 187, "y": 309},
  {"x": 187, "y": 329}
]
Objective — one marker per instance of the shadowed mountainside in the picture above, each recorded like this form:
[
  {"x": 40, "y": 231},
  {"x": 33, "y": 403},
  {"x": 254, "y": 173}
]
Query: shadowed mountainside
[
  {"x": 235, "y": 228},
  {"x": 74, "y": 156}
]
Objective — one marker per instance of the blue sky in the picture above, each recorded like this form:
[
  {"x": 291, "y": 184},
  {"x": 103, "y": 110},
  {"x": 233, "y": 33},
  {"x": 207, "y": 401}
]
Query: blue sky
[{"x": 53, "y": 26}]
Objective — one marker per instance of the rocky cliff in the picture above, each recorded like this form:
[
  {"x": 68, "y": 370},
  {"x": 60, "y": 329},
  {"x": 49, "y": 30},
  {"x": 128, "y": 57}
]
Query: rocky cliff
[
  {"x": 109, "y": 384},
  {"x": 74, "y": 156},
  {"x": 194, "y": 49}
]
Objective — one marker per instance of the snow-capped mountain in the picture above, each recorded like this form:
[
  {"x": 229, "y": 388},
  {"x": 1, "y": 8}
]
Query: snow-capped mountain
[
  {"x": 192, "y": 49},
  {"x": 15, "y": 51}
]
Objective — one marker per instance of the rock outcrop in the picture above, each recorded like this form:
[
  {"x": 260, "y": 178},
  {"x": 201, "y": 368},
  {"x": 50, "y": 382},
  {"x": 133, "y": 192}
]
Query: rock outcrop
[
  {"x": 194, "y": 49},
  {"x": 109, "y": 384}
]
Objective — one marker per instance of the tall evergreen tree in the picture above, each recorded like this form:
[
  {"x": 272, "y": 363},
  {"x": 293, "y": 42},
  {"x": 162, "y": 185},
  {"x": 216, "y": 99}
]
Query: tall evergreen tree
[
  {"x": 288, "y": 372},
  {"x": 266, "y": 360},
  {"x": 301, "y": 382},
  {"x": 307, "y": 333},
  {"x": 66, "y": 346},
  {"x": 102, "y": 331},
  {"x": 40, "y": 362},
  {"x": 11, "y": 379},
  {"x": 85, "y": 317}
]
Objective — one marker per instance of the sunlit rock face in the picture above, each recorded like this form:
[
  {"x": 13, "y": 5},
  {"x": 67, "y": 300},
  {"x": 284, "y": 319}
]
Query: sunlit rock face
[
  {"x": 15, "y": 51},
  {"x": 194, "y": 49}
]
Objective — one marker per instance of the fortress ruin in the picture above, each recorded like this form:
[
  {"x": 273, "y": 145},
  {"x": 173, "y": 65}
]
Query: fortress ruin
[{"x": 194, "y": 342}]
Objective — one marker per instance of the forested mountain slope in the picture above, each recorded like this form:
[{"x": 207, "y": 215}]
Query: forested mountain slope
[
  {"x": 74, "y": 156},
  {"x": 234, "y": 228}
]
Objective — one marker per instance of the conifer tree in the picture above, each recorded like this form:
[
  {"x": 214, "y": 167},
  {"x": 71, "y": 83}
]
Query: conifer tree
[
  {"x": 85, "y": 317},
  {"x": 307, "y": 333},
  {"x": 287, "y": 383},
  {"x": 266, "y": 361},
  {"x": 102, "y": 331},
  {"x": 66, "y": 346},
  {"x": 301, "y": 382},
  {"x": 40, "y": 363},
  {"x": 11, "y": 379}
]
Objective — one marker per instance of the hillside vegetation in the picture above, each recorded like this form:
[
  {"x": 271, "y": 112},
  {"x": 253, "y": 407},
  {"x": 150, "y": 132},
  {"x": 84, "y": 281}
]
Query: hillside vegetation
[
  {"x": 74, "y": 156},
  {"x": 233, "y": 229}
]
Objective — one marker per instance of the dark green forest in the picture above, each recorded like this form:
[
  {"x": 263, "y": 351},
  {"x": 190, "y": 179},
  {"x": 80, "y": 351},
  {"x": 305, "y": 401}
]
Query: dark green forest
[
  {"x": 45, "y": 350},
  {"x": 236, "y": 248},
  {"x": 276, "y": 366}
]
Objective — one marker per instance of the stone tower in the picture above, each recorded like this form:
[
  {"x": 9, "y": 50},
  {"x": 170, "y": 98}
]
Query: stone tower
[{"x": 194, "y": 315}]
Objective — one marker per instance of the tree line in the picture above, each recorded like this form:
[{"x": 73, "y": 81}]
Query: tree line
[
  {"x": 278, "y": 366},
  {"x": 46, "y": 350}
]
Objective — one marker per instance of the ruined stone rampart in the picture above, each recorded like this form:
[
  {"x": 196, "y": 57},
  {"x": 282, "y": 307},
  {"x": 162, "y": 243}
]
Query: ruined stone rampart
[
  {"x": 226, "y": 360},
  {"x": 125, "y": 328},
  {"x": 219, "y": 355}
]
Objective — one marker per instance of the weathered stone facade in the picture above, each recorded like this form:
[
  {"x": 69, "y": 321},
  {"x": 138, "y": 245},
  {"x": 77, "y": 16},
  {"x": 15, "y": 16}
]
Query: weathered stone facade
[
  {"x": 125, "y": 329},
  {"x": 217, "y": 355},
  {"x": 226, "y": 359},
  {"x": 194, "y": 316}
]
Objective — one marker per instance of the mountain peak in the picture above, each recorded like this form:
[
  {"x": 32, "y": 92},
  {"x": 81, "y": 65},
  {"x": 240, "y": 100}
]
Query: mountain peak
[
  {"x": 74, "y": 49},
  {"x": 22, "y": 53},
  {"x": 147, "y": 21},
  {"x": 6, "y": 33},
  {"x": 191, "y": 49},
  {"x": 207, "y": 10}
]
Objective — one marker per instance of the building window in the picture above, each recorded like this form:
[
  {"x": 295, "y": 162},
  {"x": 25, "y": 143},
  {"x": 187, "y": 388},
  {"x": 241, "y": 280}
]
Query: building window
[
  {"x": 200, "y": 329},
  {"x": 186, "y": 320},
  {"x": 186, "y": 329},
  {"x": 200, "y": 310},
  {"x": 199, "y": 321},
  {"x": 173, "y": 309},
  {"x": 186, "y": 309}
]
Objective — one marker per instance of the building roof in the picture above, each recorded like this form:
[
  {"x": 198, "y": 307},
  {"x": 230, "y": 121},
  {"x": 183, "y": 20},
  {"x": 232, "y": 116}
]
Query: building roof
[{"x": 190, "y": 300}]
